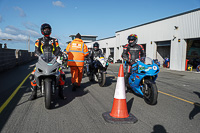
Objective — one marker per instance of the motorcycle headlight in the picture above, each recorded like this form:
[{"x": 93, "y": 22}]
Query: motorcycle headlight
[{"x": 155, "y": 68}]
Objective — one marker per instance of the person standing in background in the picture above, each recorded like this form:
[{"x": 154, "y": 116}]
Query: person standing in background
[{"x": 77, "y": 51}]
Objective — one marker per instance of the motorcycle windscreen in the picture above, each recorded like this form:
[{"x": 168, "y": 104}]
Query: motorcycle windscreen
[
  {"x": 47, "y": 56},
  {"x": 146, "y": 60}
]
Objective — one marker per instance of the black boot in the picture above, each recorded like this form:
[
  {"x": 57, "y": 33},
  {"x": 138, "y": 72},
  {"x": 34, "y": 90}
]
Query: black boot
[
  {"x": 34, "y": 93},
  {"x": 126, "y": 79},
  {"x": 61, "y": 93},
  {"x": 74, "y": 86}
]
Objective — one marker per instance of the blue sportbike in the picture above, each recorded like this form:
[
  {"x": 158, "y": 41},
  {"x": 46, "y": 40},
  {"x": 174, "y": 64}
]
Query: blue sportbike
[{"x": 142, "y": 79}]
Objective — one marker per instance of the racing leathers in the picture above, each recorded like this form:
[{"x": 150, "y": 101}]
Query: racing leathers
[
  {"x": 95, "y": 53},
  {"x": 88, "y": 61},
  {"x": 47, "y": 44},
  {"x": 130, "y": 53}
]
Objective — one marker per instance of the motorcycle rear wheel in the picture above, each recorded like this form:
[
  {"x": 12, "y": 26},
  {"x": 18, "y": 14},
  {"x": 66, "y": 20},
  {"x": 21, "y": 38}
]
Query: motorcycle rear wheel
[
  {"x": 103, "y": 79},
  {"x": 151, "y": 95},
  {"x": 48, "y": 88}
]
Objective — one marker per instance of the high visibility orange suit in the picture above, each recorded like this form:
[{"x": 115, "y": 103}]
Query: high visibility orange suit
[{"x": 77, "y": 51}]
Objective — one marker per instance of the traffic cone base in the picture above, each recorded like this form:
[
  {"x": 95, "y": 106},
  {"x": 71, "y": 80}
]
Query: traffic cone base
[
  {"x": 119, "y": 112},
  {"x": 129, "y": 120}
]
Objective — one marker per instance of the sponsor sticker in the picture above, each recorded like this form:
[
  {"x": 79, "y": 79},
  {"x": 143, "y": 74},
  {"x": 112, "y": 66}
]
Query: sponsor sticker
[{"x": 141, "y": 68}]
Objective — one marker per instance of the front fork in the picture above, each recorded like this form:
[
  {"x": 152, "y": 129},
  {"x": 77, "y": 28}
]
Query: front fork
[
  {"x": 43, "y": 89},
  {"x": 144, "y": 87}
]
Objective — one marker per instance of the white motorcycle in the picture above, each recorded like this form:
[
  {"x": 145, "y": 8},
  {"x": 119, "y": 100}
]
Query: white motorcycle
[{"x": 99, "y": 67}]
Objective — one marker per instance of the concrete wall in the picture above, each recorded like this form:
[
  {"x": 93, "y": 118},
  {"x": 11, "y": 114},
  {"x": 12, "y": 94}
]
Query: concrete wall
[{"x": 9, "y": 58}]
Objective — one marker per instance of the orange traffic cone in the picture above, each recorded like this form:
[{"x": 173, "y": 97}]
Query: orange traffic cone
[{"x": 119, "y": 112}]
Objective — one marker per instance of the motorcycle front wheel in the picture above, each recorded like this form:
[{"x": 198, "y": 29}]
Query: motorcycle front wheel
[
  {"x": 150, "y": 92},
  {"x": 48, "y": 88},
  {"x": 102, "y": 79}
]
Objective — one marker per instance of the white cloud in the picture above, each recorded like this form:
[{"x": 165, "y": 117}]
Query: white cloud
[
  {"x": 21, "y": 11},
  {"x": 31, "y": 26},
  {"x": 18, "y": 37},
  {"x": 58, "y": 3},
  {"x": 15, "y": 31}
]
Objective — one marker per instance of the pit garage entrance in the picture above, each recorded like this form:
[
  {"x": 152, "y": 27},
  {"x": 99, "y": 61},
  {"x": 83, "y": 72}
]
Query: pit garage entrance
[
  {"x": 193, "y": 52},
  {"x": 112, "y": 53},
  {"x": 163, "y": 51}
]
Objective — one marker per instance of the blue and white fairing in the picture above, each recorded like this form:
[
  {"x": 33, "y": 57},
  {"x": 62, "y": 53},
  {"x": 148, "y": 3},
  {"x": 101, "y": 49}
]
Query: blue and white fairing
[{"x": 143, "y": 68}]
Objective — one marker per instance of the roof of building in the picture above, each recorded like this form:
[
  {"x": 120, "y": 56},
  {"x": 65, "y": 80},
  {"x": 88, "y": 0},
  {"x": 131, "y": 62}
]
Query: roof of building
[
  {"x": 105, "y": 38},
  {"x": 84, "y": 36},
  {"x": 161, "y": 19}
]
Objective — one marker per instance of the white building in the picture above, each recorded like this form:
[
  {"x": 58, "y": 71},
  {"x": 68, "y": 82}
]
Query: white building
[
  {"x": 176, "y": 37},
  {"x": 85, "y": 38}
]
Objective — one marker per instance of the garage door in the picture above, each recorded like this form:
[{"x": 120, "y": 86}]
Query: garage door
[{"x": 163, "y": 50}]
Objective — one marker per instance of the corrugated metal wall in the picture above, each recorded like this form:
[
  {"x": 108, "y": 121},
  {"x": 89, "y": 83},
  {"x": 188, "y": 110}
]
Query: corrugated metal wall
[{"x": 161, "y": 30}]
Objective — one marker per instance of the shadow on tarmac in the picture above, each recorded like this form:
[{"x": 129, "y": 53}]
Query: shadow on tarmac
[
  {"x": 159, "y": 129},
  {"x": 58, "y": 103},
  {"x": 110, "y": 80},
  {"x": 5, "y": 114},
  {"x": 129, "y": 104},
  {"x": 196, "y": 108},
  {"x": 20, "y": 72}
]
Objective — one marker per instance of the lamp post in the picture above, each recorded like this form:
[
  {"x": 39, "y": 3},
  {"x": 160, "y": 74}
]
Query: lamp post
[
  {"x": 28, "y": 42},
  {"x": 5, "y": 45}
]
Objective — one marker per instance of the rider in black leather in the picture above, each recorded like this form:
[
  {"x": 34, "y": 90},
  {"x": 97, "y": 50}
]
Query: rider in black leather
[
  {"x": 131, "y": 51},
  {"x": 96, "y": 51},
  {"x": 46, "y": 43}
]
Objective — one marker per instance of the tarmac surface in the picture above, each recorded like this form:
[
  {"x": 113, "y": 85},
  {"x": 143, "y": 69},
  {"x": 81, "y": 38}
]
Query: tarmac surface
[{"x": 177, "y": 109}]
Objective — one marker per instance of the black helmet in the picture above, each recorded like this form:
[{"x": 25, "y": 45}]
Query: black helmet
[
  {"x": 96, "y": 46},
  {"x": 78, "y": 36},
  {"x": 132, "y": 37},
  {"x": 44, "y": 26}
]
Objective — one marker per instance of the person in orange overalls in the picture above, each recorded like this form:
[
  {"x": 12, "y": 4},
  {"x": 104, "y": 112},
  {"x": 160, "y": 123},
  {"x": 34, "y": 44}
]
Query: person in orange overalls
[{"x": 77, "y": 51}]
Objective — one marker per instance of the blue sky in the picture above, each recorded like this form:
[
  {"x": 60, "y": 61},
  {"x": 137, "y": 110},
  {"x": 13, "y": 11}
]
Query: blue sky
[{"x": 21, "y": 18}]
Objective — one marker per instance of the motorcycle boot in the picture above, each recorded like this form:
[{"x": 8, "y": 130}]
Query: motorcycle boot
[
  {"x": 74, "y": 86},
  {"x": 127, "y": 75},
  {"x": 61, "y": 92},
  {"x": 34, "y": 93}
]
